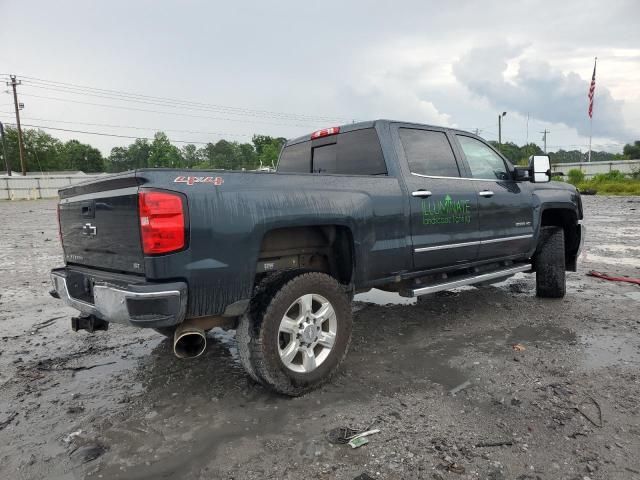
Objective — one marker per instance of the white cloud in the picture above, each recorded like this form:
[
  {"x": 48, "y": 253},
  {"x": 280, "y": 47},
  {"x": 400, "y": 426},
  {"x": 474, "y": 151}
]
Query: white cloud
[{"x": 537, "y": 88}]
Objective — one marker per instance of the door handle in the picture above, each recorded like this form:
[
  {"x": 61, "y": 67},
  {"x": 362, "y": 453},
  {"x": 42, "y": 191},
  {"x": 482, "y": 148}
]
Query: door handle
[
  {"x": 421, "y": 193},
  {"x": 486, "y": 193}
]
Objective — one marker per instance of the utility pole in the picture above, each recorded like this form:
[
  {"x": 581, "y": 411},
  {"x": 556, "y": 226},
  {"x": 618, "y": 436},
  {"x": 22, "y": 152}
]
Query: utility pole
[
  {"x": 14, "y": 84},
  {"x": 4, "y": 150},
  {"x": 544, "y": 138}
]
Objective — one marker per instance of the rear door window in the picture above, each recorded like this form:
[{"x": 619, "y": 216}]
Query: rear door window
[
  {"x": 428, "y": 153},
  {"x": 359, "y": 153}
]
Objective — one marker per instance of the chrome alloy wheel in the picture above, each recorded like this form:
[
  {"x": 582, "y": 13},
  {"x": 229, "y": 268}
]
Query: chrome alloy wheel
[{"x": 307, "y": 333}]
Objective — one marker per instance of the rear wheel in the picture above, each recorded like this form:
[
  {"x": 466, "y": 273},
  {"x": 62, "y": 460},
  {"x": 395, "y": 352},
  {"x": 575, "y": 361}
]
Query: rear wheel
[
  {"x": 297, "y": 334},
  {"x": 549, "y": 264}
]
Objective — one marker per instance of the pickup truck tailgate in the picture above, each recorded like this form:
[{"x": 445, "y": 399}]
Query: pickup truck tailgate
[{"x": 99, "y": 226}]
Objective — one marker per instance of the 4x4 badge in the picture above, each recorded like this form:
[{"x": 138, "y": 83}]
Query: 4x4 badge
[{"x": 217, "y": 181}]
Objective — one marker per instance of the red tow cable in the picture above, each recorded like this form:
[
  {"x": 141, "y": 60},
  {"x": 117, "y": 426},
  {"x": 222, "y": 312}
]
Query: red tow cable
[{"x": 605, "y": 276}]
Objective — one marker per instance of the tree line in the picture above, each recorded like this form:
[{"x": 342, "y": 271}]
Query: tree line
[
  {"x": 520, "y": 154},
  {"x": 45, "y": 153}
]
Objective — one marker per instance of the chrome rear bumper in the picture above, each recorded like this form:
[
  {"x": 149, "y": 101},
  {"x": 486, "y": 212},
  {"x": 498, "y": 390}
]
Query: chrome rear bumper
[{"x": 139, "y": 304}]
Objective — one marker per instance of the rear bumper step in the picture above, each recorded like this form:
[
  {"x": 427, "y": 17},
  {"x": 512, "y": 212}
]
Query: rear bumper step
[
  {"x": 468, "y": 280},
  {"x": 152, "y": 305}
]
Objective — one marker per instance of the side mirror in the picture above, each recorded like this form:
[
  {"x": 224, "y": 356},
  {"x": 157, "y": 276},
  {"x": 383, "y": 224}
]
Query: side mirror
[{"x": 540, "y": 167}]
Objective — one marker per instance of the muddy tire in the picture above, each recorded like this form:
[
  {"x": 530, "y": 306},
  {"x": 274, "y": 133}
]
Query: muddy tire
[
  {"x": 549, "y": 264},
  {"x": 296, "y": 333},
  {"x": 166, "y": 331}
]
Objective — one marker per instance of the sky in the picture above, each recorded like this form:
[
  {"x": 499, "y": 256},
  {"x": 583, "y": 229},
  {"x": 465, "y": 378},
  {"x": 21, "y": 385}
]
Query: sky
[{"x": 211, "y": 70}]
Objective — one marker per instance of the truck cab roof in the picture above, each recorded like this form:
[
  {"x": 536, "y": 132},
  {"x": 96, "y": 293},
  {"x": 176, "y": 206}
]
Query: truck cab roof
[{"x": 347, "y": 127}]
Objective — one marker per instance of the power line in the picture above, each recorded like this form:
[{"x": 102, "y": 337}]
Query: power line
[
  {"x": 80, "y": 89},
  {"x": 183, "y": 106},
  {"x": 131, "y": 127},
  {"x": 107, "y": 134},
  {"x": 121, "y": 107}
]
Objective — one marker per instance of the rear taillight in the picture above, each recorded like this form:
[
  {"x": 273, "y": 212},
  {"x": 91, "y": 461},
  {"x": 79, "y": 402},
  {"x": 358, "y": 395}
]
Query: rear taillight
[
  {"x": 325, "y": 132},
  {"x": 162, "y": 225}
]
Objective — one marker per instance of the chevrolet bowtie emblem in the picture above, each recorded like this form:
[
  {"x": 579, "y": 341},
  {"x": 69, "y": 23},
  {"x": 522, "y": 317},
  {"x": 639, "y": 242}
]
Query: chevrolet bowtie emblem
[{"x": 89, "y": 230}]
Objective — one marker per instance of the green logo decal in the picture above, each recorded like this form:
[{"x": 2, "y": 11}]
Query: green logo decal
[{"x": 446, "y": 211}]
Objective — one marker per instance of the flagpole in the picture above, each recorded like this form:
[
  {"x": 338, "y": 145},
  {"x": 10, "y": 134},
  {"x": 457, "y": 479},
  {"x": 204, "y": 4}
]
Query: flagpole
[
  {"x": 591, "y": 98},
  {"x": 590, "y": 135}
]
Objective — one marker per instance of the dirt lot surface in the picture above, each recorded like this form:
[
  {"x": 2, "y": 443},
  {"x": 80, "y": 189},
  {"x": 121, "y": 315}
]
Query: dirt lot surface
[{"x": 118, "y": 404}]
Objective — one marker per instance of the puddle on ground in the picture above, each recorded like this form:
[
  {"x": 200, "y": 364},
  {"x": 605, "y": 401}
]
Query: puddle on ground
[
  {"x": 617, "y": 247},
  {"x": 588, "y": 257},
  {"x": 545, "y": 334},
  {"x": 436, "y": 367},
  {"x": 380, "y": 297},
  {"x": 604, "y": 350},
  {"x": 633, "y": 295},
  {"x": 519, "y": 284}
]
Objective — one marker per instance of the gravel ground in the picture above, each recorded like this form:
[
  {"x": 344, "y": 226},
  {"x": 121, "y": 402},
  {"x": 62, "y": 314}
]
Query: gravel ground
[{"x": 117, "y": 404}]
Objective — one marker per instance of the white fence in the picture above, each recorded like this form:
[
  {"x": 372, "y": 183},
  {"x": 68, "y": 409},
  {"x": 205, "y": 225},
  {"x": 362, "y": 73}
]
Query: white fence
[
  {"x": 32, "y": 187},
  {"x": 592, "y": 168}
]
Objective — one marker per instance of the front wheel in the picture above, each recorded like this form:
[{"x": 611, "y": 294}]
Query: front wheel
[
  {"x": 549, "y": 264},
  {"x": 297, "y": 335}
]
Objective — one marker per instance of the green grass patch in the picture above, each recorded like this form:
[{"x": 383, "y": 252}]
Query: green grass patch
[
  {"x": 612, "y": 183},
  {"x": 612, "y": 187}
]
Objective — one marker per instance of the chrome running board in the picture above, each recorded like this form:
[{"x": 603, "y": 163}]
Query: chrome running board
[{"x": 469, "y": 280}]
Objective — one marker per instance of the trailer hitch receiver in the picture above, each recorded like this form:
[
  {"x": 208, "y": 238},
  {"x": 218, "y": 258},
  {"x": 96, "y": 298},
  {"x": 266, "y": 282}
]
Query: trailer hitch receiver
[{"x": 90, "y": 323}]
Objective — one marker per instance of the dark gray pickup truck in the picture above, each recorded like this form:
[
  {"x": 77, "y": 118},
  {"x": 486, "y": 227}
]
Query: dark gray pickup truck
[{"x": 402, "y": 207}]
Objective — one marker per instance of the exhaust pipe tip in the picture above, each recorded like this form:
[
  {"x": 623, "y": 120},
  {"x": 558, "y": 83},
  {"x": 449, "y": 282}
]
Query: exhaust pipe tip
[{"x": 189, "y": 342}]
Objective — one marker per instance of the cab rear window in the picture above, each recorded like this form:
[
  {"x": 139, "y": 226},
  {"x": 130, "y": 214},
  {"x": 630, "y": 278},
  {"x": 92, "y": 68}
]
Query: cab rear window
[
  {"x": 296, "y": 158},
  {"x": 352, "y": 153}
]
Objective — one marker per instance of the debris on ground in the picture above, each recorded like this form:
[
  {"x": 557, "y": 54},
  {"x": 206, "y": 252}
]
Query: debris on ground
[
  {"x": 71, "y": 436},
  {"x": 460, "y": 387},
  {"x": 353, "y": 436},
  {"x": 8, "y": 420},
  {"x": 363, "y": 476},
  {"x": 341, "y": 435},
  {"x": 87, "y": 453},
  {"x": 501, "y": 443},
  {"x": 361, "y": 438},
  {"x": 47, "y": 323},
  {"x": 358, "y": 442},
  {"x": 74, "y": 369},
  {"x": 518, "y": 347},
  {"x": 455, "y": 468},
  {"x": 590, "y": 400}
]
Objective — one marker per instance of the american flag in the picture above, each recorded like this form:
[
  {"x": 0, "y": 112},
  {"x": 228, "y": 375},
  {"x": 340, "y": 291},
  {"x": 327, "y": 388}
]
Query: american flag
[{"x": 592, "y": 90}]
